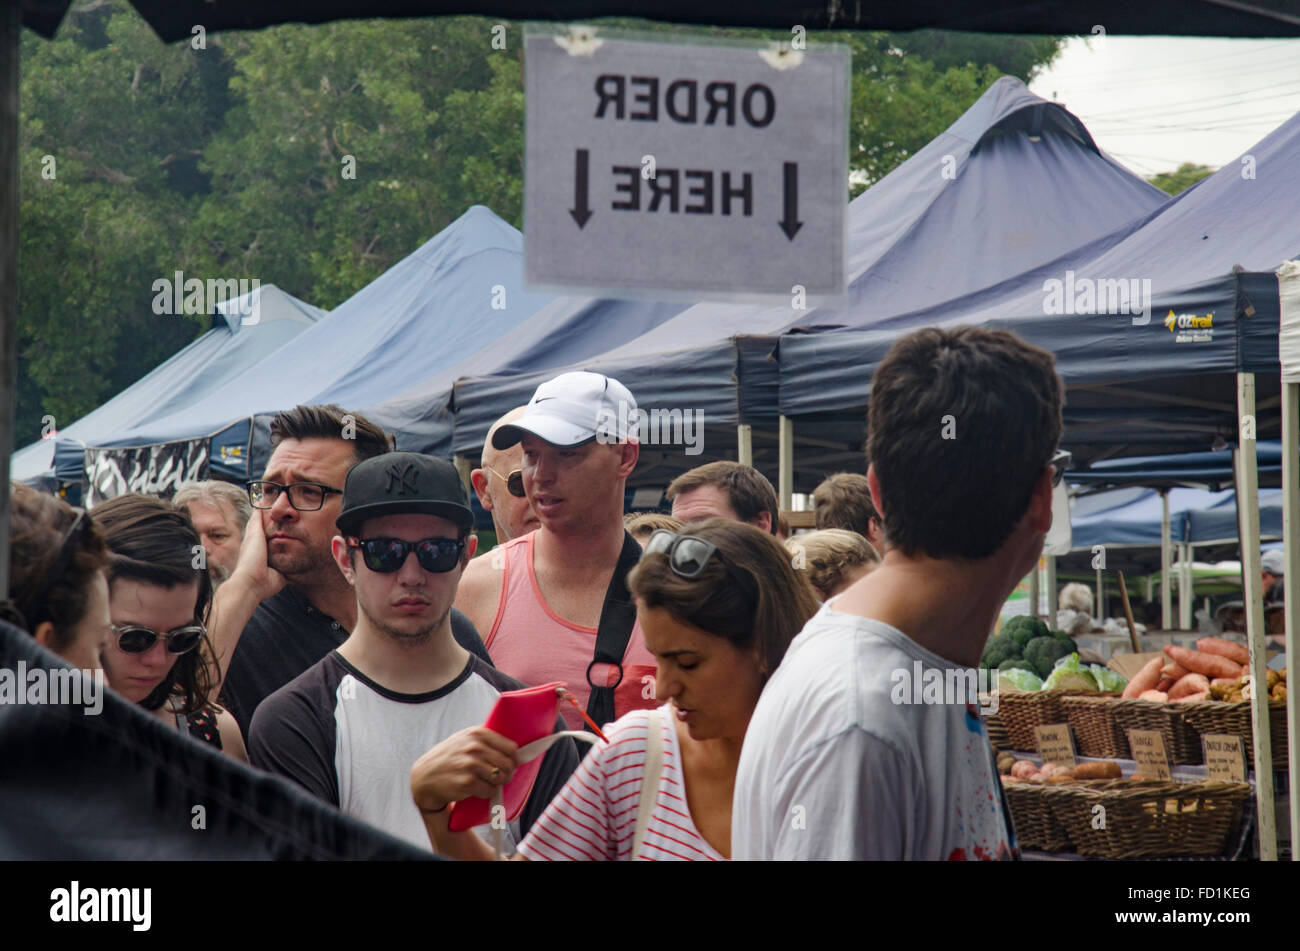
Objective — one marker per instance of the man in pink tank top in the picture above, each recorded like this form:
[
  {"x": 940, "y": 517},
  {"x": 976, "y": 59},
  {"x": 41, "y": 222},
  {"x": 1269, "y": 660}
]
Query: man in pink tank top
[{"x": 540, "y": 597}]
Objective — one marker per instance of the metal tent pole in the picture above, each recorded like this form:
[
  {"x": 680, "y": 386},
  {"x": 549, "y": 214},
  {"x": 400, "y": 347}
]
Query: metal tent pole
[
  {"x": 1291, "y": 609},
  {"x": 745, "y": 444},
  {"x": 786, "y": 462},
  {"x": 1166, "y": 556},
  {"x": 1248, "y": 532}
]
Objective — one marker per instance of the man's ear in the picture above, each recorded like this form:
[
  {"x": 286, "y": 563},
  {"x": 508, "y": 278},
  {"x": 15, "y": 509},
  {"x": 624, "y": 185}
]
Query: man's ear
[
  {"x": 629, "y": 453},
  {"x": 44, "y": 634},
  {"x": 873, "y": 484},
  {"x": 471, "y": 546},
  {"x": 479, "y": 479},
  {"x": 340, "y": 551},
  {"x": 1040, "y": 503},
  {"x": 764, "y": 522}
]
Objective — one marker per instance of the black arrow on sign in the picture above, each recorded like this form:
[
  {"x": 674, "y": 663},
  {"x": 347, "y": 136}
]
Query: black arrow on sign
[
  {"x": 581, "y": 213},
  {"x": 790, "y": 223}
]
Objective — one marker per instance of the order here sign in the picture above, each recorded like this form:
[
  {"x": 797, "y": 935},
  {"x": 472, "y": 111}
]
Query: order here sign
[{"x": 684, "y": 169}]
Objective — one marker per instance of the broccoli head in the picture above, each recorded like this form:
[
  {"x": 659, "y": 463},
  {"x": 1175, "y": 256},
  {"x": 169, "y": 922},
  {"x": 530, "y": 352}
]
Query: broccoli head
[
  {"x": 999, "y": 648},
  {"x": 1012, "y": 663},
  {"x": 1042, "y": 654},
  {"x": 1022, "y": 629}
]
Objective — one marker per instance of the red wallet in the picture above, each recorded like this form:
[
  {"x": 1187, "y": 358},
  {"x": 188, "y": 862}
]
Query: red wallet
[{"x": 522, "y": 716}]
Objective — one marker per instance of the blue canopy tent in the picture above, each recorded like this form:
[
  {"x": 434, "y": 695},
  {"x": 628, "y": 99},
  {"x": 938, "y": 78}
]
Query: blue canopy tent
[
  {"x": 243, "y": 331},
  {"x": 1154, "y": 382},
  {"x": 1022, "y": 173},
  {"x": 1210, "y": 469},
  {"x": 461, "y": 289}
]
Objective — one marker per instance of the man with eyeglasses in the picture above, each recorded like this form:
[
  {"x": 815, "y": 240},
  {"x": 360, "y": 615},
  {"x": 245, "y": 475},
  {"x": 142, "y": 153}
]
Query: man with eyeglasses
[
  {"x": 851, "y": 752},
  {"x": 287, "y": 604},
  {"x": 350, "y": 727},
  {"x": 499, "y": 485}
]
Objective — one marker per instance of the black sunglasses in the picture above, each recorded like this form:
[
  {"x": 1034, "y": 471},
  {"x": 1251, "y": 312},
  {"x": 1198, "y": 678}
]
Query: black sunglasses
[
  {"x": 386, "y": 555},
  {"x": 1060, "y": 461},
  {"x": 514, "y": 482},
  {"x": 136, "y": 638},
  {"x": 688, "y": 554},
  {"x": 304, "y": 496}
]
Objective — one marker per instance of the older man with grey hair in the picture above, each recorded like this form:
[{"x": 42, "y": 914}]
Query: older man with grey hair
[{"x": 219, "y": 510}]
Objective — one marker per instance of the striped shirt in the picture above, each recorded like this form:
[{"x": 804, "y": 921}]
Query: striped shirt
[{"x": 594, "y": 816}]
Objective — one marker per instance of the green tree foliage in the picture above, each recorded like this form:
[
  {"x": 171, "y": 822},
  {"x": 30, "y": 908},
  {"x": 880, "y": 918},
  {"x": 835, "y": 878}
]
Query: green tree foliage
[
  {"x": 315, "y": 158},
  {"x": 1182, "y": 178}
]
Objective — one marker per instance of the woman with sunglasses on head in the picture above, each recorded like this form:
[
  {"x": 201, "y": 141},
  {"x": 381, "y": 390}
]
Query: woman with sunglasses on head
[
  {"x": 158, "y": 655},
  {"x": 58, "y": 590},
  {"x": 718, "y": 607}
]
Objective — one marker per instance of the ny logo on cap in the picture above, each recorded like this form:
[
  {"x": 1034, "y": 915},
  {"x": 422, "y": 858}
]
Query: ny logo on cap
[{"x": 400, "y": 474}]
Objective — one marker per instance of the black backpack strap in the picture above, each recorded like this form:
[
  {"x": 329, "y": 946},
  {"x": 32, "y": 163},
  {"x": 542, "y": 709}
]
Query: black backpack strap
[{"x": 617, "y": 617}]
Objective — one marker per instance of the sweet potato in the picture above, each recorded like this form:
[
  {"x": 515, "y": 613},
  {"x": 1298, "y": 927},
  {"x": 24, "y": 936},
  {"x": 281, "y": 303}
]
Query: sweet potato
[
  {"x": 1144, "y": 679},
  {"x": 1212, "y": 665},
  {"x": 1106, "y": 770},
  {"x": 1237, "y": 653},
  {"x": 1192, "y": 683},
  {"x": 1173, "y": 671},
  {"x": 1165, "y": 684},
  {"x": 1157, "y": 696}
]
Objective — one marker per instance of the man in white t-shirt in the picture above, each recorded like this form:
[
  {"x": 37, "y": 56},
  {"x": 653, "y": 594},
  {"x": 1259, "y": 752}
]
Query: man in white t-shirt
[{"x": 867, "y": 742}]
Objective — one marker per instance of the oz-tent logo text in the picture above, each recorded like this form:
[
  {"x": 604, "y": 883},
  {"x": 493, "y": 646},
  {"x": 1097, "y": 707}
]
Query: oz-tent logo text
[
  {"x": 191, "y": 295},
  {"x": 1086, "y": 296},
  {"x": 660, "y": 427},
  {"x": 62, "y": 685}
]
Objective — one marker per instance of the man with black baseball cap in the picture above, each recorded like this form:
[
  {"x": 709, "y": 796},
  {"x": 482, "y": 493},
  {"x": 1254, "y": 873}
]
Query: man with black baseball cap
[
  {"x": 553, "y": 604},
  {"x": 350, "y": 728}
]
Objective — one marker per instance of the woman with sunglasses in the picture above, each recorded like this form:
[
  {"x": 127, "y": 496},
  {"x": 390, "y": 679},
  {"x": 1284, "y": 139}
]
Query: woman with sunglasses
[
  {"x": 57, "y": 587},
  {"x": 159, "y": 656},
  {"x": 718, "y": 607}
]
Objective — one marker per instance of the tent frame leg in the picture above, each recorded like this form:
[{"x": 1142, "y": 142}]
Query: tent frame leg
[{"x": 1248, "y": 531}]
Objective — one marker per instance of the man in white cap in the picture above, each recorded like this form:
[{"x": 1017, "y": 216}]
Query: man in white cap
[
  {"x": 1272, "y": 567},
  {"x": 553, "y": 604}
]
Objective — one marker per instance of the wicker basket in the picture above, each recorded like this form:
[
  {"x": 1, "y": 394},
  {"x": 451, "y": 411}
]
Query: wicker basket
[
  {"x": 1145, "y": 819},
  {"x": 1036, "y": 824},
  {"x": 1022, "y": 712},
  {"x": 999, "y": 739},
  {"x": 1168, "y": 719},
  {"x": 1212, "y": 716},
  {"x": 1095, "y": 731}
]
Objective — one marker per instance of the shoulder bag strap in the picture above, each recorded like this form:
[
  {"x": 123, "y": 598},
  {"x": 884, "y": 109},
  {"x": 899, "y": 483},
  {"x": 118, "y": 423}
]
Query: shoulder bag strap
[
  {"x": 617, "y": 617},
  {"x": 649, "y": 781}
]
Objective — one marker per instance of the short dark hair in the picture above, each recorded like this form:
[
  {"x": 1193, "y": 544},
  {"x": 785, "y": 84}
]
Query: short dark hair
[
  {"x": 748, "y": 489},
  {"x": 39, "y": 524},
  {"x": 766, "y": 615},
  {"x": 961, "y": 425},
  {"x": 329, "y": 421},
  {"x": 155, "y": 542},
  {"x": 844, "y": 501}
]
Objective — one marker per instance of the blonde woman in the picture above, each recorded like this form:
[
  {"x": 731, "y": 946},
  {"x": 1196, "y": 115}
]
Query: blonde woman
[{"x": 832, "y": 559}]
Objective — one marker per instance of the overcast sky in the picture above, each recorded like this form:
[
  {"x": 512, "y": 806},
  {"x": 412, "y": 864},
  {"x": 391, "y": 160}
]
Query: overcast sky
[{"x": 1156, "y": 102}]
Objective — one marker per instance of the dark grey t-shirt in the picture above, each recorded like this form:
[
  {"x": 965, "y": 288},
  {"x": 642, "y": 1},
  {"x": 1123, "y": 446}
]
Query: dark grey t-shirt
[{"x": 284, "y": 637}]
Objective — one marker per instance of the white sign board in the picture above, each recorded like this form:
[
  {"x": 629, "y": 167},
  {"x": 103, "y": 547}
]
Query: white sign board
[{"x": 684, "y": 169}]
